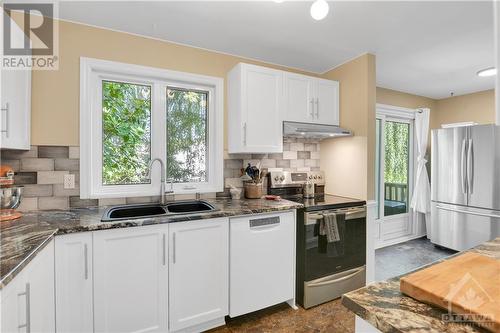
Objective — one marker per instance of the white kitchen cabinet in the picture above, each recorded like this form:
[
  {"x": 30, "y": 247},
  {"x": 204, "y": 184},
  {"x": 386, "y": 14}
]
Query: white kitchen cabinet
[
  {"x": 327, "y": 102},
  {"x": 262, "y": 261},
  {"x": 15, "y": 103},
  {"x": 28, "y": 301},
  {"x": 255, "y": 107},
  {"x": 198, "y": 274},
  {"x": 131, "y": 279},
  {"x": 311, "y": 100},
  {"x": 73, "y": 260},
  {"x": 299, "y": 97}
]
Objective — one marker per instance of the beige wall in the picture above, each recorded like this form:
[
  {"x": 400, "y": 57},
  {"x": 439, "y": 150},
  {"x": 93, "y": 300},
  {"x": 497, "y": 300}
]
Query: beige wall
[
  {"x": 349, "y": 162},
  {"x": 55, "y": 94},
  {"x": 478, "y": 107},
  {"x": 405, "y": 100}
]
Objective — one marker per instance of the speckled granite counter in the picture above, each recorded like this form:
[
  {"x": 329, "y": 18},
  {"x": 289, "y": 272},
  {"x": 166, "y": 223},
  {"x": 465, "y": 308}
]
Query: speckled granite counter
[
  {"x": 385, "y": 307},
  {"x": 21, "y": 239}
]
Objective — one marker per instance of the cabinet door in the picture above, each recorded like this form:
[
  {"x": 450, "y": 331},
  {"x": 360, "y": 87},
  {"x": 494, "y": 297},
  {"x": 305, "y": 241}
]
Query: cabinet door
[
  {"x": 262, "y": 261},
  {"x": 198, "y": 276},
  {"x": 327, "y": 102},
  {"x": 14, "y": 303},
  {"x": 131, "y": 279},
  {"x": 28, "y": 301},
  {"x": 15, "y": 104},
  {"x": 299, "y": 98},
  {"x": 262, "y": 98},
  {"x": 74, "y": 283},
  {"x": 40, "y": 276}
]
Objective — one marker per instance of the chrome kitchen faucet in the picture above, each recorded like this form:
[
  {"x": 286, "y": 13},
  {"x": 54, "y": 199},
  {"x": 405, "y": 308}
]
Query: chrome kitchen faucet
[{"x": 163, "y": 193}]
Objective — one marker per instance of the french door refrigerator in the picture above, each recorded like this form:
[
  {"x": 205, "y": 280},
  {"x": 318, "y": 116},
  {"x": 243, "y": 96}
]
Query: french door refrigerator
[{"x": 465, "y": 186}]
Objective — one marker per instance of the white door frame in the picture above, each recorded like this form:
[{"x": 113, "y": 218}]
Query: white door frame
[{"x": 400, "y": 115}]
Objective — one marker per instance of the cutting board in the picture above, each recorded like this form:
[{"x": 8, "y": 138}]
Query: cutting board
[{"x": 468, "y": 284}]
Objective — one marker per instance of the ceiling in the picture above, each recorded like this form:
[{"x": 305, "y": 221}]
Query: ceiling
[{"x": 426, "y": 48}]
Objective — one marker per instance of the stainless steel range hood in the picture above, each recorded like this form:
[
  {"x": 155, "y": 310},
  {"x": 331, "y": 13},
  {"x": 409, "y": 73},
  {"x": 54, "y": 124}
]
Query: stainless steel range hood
[{"x": 316, "y": 131}]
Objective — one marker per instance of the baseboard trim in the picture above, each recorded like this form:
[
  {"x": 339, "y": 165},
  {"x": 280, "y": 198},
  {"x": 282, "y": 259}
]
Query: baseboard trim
[{"x": 380, "y": 245}]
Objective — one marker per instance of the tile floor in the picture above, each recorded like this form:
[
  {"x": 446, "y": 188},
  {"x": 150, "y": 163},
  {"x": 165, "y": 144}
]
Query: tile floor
[
  {"x": 333, "y": 317},
  {"x": 401, "y": 258}
]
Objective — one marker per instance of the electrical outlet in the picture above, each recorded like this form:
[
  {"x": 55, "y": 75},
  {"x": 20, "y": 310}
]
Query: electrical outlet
[{"x": 69, "y": 181}]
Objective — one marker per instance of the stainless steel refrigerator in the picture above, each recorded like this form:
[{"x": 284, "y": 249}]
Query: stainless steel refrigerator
[{"x": 465, "y": 186}]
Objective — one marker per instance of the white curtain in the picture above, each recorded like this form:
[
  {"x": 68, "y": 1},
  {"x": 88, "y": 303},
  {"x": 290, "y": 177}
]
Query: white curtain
[{"x": 421, "y": 200}]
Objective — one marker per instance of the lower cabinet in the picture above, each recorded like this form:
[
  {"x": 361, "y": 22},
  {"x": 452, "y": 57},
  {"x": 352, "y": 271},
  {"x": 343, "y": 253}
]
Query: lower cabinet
[
  {"x": 198, "y": 276},
  {"x": 28, "y": 303},
  {"x": 131, "y": 279},
  {"x": 73, "y": 258}
]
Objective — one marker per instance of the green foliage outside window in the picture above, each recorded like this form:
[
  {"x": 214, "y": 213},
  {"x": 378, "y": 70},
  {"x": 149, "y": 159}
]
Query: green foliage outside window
[
  {"x": 186, "y": 135},
  {"x": 397, "y": 140},
  {"x": 126, "y": 122}
]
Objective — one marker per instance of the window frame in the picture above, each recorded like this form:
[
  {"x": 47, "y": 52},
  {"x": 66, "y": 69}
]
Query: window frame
[{"x": 92, "y": 73}]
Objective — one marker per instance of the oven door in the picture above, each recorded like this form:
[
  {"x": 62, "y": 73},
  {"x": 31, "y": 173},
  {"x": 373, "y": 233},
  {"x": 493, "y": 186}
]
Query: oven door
[{"x": 323, "y": 258}]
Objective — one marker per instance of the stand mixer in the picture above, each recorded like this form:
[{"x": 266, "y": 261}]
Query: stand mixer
[{"x": 10, "y": 194}]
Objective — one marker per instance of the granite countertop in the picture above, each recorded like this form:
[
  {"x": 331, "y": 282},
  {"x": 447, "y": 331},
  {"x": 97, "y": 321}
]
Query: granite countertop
[
  {"x": 21, "y": 239},
  {"x": 387, "y": 309}
]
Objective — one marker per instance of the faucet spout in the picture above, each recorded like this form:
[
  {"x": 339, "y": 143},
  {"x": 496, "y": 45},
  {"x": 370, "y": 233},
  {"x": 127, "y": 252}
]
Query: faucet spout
[{"x": 163, "y": 199}]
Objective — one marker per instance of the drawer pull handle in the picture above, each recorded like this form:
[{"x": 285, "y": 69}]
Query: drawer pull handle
[
  {"x": 27, "y": 324},
  {"x": 6, "y": 110}
]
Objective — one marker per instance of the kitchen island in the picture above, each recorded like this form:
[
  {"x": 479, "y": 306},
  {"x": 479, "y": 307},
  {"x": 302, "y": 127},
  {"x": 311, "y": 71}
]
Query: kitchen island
[{"x": 381, "y": 306}]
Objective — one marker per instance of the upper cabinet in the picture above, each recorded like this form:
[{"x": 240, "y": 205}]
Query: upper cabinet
[
  {"x": 255, "y": 104},
  {"x": 261, "y": 98},
  {"x": 311, "y": 100},
  {"x": 15, "y": 104},
  {"x": 299, "y": 97}
]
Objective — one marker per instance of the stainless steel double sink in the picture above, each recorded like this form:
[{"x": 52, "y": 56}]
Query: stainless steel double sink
[{"x": 130, "y": 212}]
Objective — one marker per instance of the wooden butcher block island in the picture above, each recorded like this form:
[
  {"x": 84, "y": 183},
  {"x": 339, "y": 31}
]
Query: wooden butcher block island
[{"x": 466, "y": 285}]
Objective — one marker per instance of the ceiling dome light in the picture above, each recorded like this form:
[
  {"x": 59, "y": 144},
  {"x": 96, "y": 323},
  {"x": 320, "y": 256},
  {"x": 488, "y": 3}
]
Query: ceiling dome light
[
  {"x": 492, "y": 71},
  {"x": 278, "y": 1},
  {"x": 319, "y": 9}
]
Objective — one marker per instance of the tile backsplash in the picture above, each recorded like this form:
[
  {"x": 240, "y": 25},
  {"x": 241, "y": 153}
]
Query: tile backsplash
[{"x": 42, "y": 168}]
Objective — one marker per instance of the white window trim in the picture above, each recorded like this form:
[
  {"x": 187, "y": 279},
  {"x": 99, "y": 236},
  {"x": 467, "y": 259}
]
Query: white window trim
[
  {"x": 395, "y": 111},
  {"x": 92, "y": 71}
]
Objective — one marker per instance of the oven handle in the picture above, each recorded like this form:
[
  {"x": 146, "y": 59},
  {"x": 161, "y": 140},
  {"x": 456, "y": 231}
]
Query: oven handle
[
  {"x": 358, "y": 213},
  {"x": 323, "y": 283}
]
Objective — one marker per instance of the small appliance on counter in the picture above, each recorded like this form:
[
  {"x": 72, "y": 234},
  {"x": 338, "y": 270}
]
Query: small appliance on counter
[
  {"x": 10, "y": 195},
  {"x": 331, "y": 237}
]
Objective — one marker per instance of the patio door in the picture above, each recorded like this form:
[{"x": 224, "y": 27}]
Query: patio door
[{"x": 394, "y": 175}]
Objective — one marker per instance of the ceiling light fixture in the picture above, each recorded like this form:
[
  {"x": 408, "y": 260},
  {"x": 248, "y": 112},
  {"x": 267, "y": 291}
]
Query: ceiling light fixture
[
  {"x": 278, "y": 1},
  {"x": 319, "y": 9},
  {"x": 492, "y": 71}
]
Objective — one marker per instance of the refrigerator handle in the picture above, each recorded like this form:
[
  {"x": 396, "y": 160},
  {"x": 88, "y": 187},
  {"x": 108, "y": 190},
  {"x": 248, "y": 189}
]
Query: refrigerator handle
[
  {"x": 463, "y": 167},
  {"x": 470, "y": 166}
]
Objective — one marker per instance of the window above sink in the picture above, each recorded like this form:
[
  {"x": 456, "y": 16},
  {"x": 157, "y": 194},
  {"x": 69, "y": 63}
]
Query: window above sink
[{"x": 131, "y": 114}]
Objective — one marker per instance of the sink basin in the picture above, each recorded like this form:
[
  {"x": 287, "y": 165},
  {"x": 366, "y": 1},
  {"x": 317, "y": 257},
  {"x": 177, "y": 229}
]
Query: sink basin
[
  {"x": 130, "y": 212},
  {"x": 186, "y": 207},
  {"x": 133, "y": 212}
]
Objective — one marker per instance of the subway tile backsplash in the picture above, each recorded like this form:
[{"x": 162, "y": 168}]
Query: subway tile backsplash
[{"x": 41, "y": 170}]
